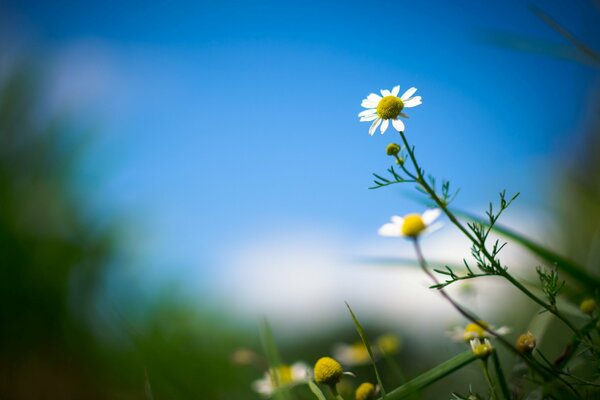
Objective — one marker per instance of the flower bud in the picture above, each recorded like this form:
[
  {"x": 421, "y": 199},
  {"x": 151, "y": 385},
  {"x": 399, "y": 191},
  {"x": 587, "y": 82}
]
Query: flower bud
[
  {"x": 366, "y": 391},
  {"x": 526, "y": 343},
  {"x": 328, "y": 371},
  {"x": 392, "y": 149},
  {"x": 588, "y": 306}
]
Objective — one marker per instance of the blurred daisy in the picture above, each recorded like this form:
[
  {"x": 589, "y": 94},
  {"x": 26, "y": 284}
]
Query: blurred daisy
[
  {"x": 388, "y": 344},
  {"x": 411, "y": 225},
  {"x": 284, "y": 375},
  {"x": 481, "y": 348},
  {"x": 351, "y": 354},
  {"x": 475, "y": 331},
  {"x": 382, "y": 110}
]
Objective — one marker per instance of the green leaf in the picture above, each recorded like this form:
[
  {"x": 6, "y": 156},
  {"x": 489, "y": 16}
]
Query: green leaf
[
  {"x": 567, "y": 266},
  {"x": 419, "y": 383},
  {"x": 315, "y": 389},
  {"x": 270, "y": 349},
  {"x": 363, "y": 337}
]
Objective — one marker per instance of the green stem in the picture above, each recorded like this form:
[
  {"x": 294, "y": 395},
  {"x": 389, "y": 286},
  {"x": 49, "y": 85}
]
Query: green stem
[
  {"x": 420, "y": 179},
  {"x": 488, "y": 378},
  {"x": 542, "y": 303},
  {"x": 543, "y": 371},
  {"x": 500, "y": 375}
]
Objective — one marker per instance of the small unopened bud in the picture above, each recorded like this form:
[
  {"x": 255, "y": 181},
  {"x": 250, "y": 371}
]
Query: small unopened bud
[
  {"x": 588, "y": 306},
  {"x": 392, "y": 149},
  {"x": 366, "y": 391},
  {"x": 526, "y": 343}
]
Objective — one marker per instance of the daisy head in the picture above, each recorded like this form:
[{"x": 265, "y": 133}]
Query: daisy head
[
  {"x": 388, "y": 107},
  {"x": 411, "y": 225},
  {"x": 476, "y": 331},
  {"x": 283, "y": 375},
  {"x": 481, "y": 348}
]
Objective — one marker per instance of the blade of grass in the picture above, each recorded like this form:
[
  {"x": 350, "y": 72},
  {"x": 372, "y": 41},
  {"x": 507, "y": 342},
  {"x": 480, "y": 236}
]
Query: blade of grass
[
  {"x": 270, "y": 349},
  {"x": 316, "y": 390},
  {"x": 569, "y": 267},
  {"x": 433, "y": 375},
  {"x": 363, "y": 337}
]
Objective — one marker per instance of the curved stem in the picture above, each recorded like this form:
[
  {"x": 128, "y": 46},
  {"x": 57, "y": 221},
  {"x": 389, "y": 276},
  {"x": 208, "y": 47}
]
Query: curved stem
[
  {"x": 488, "y": 378},
  {"x": 501, "y": 271}
]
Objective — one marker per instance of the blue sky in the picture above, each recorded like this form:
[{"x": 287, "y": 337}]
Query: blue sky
[{"x": 220, "y": 122}]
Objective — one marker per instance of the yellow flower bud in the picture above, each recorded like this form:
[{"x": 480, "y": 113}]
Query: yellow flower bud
[
  {"x": 328, "y": 371},
  {"x": 588, "y": 306},
  {"x": 526, "y": 343},
  {"x": 366, "y": 391},
  {"x": 392, "y": 149}
]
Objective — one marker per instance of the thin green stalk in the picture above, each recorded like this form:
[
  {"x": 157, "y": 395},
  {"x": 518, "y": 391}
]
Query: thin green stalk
[
  {"x": 500, "y": 374},
  {"x": 420, "y": 179},
  {"x": 542, "y": 303},
  {"x": 543, "y": 371},
  {"x": 489, "y": 380}
]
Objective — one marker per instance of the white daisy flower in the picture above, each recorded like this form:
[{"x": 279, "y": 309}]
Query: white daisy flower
[
  {"x": 284, "y": 375},
  {"x": 382, "y": 110},
  {"x": 411, "y": 225},
  {"x": 475, "y": 331}
]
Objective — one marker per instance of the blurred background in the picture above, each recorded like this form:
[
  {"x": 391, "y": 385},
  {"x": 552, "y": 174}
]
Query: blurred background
[{"x": 172, "y": 174}]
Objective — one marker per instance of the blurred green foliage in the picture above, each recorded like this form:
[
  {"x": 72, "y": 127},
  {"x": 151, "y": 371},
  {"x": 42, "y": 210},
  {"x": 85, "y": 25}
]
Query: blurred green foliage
[{"x": 58, "y": 338}]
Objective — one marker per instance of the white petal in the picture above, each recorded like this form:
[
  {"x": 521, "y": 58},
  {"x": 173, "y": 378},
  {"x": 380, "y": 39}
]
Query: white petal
[
  {"x": 403, "y": 115},
  {"x": 413, "y": 102},
  {"x": 434, "y": 227},
  {"x": 368, "y": 118},
  {"x": 389, "y": 230},
  {"x": 503, "y": 330},
  {"x": 395, "y": 90},
  {"x": 398, "y": 125},
  {"x": 369, "y": 103},
  {"x": 398, "y": 221},
  {"x": 386, "y": 92},
  {"x": 431, "y": 215},
  {"x": 300, "y": 371},
  {"x": 408, "y": 93},
  {"x": 384, "y": 126},
  {"x": 374, "y": 126},
  {"x": 367, "y": 112},
  {"x": 374, "y": 96}
]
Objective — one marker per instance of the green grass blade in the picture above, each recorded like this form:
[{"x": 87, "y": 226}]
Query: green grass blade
[
  {"x": 272, "y": 355},
  {"x": 417, "y": 384},
  {"x": 316, "y": 391},
  {"x": 567, "y": 266},
  {"x": 363, "y": 337}
]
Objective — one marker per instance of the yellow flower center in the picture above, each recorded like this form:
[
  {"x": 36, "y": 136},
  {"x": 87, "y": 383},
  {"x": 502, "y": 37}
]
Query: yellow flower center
[
  {"x": 389, "y": 107},
  {"x": 413, "y": 225},
  {"x": 366, "y": 391},
  {"x": 283, "y": 374},
  {"x": 475, "y": 331},
  {"x": 482, "y": 349},
  {"x": 328, "y": 371}
]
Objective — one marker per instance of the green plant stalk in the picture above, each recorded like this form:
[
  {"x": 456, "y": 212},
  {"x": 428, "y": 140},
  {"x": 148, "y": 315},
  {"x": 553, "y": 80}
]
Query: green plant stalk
[
  {"x": 543, "y": 371},
  {"x": 571, "y": 268},
  {"x": 542, "y": 303},
  {"x": 500, "y": 374},
  {"x": 489, "y": 380},
  {"x": 421, "y": 181},
  {"x": 316, "y": 390},
  {"x": 433, "y": 375},
  {"x": 363, "y": 337}
]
